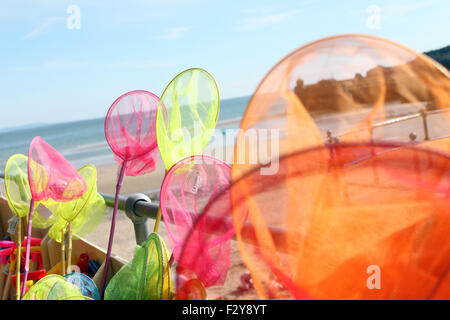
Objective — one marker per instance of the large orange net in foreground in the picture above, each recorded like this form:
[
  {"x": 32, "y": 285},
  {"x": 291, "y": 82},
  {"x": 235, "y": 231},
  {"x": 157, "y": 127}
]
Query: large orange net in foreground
[{"x": 353, "y": 202}]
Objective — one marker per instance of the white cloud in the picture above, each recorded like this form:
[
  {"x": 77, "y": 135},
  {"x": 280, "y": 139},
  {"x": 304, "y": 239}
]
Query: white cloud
[
  {"x": 251, "y": 23},
  {"x": 44, "y": 26},
  {"x": 173, "y": 33}
]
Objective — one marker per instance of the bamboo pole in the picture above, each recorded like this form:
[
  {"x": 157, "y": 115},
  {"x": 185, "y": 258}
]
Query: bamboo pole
[
  {"x": 69, "y": 258},
  {"x": 63, "y": 253},
  {"x": 19, "y": 249}
]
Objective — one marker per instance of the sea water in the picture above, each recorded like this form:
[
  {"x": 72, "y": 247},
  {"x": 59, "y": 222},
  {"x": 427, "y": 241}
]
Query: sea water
[{"x": 83, "y": 142}]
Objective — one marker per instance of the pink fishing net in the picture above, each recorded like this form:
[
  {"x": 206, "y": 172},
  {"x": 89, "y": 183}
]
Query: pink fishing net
[
  {"x": 208, "y": 253},
  {"x": 188, "y": 186},
  {"x": 130, "y": 131},
  {"x": 204, "y": 252},
  {"x": 50, "y": 175}
]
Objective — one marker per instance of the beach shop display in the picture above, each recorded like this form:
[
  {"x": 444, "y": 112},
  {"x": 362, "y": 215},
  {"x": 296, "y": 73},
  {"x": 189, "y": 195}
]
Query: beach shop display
[
  {"x": 130, "y": 132},
  {"x": 187, "y": 188},
  {"x": 50, "y": 176},
  {"x": 354, "y": 209},
  {"x": 80, "y": 216}
]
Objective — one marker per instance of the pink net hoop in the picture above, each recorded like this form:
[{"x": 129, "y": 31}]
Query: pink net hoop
[
  {"x": 187, "y": 188},
  {"x": 130, "y": 131},
  {"x": 51, "y": 176}
]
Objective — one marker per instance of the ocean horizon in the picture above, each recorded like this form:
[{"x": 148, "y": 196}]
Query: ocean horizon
[{"x": 83, "y": 141}]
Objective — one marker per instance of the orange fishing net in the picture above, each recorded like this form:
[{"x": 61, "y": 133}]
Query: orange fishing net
[
  {"x": 353, "y": 200},
  {"x": 333, "y": 225}
]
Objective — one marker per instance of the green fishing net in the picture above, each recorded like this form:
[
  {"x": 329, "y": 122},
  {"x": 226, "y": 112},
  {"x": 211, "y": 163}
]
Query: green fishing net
[
  {"x": 86, "y": 212},
  {"x": 146, "y": 277},
  {"x": 52, "y": 287},
  {"x": 187, "y": 115},
  {"x": 19, "y": 194}
]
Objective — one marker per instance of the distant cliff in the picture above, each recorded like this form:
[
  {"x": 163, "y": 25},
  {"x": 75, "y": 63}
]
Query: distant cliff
[
  {"x": 441, "y": 55},
  {"x": 390, "y": 84}
]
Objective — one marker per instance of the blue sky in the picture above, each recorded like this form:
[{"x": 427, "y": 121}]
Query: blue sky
[{"x": 50, "y": 73}]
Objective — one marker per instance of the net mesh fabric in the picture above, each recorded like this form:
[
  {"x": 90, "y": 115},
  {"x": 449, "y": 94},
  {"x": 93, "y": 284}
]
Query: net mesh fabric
[
  {"x": 85, "y": 213},
  {"x": 50, "y": 175},
  {"x": 130, "y": 131},
  {"x": 188, "y": 186},
  {"x": 187, "y": 115},
  {"x": 19, "y": 194},
  {"x": 146, "y": 277},
  {"x": 206, "y": 253},
  {"x": 315, "y": 227},
  {"x": 346, "y": 84},
  {"x": 86, "y": 285},
  {"x": 52, "y": 287}
]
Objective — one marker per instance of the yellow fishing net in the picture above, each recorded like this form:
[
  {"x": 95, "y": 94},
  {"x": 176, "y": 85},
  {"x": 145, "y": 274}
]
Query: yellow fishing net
[
  {"x": 85, "y": 213},
  {"x": 187, "y": 115},
  {"x": 19, "y": 194}
]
